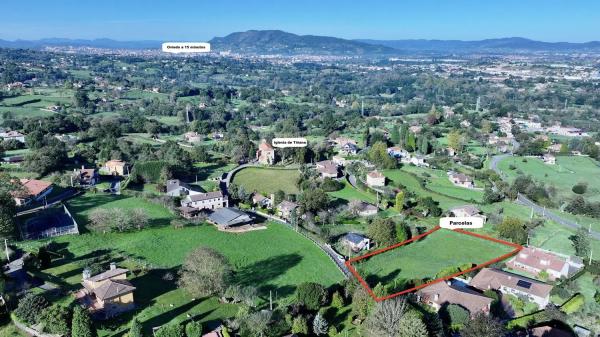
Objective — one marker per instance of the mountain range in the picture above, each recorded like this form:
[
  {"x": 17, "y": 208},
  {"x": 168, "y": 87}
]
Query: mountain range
[{"x": 280, "y": 42}]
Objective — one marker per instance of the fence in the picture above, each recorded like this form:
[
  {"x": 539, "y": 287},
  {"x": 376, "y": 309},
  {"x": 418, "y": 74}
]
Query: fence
[{"x": 73, "y": 228}]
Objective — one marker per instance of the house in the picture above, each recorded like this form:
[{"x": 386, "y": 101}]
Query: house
[
  {"x": 12, "y": 135},
  {"x": 339, "y": 160},
  {"x": 33, "y": 190},
  {"x": 442, "y": 293},
  {"x": 285, "y": 209},
  {"x": 356, "y": 242},
  {"x": 534, "y": 260},
  {"x": 339, "y": 141},
  {"x": 467, "y": 211},
  {"x": 177, "y": 188},
  {"x": 209, "y": 200},
  {"x": 513, "y": 284},
  {"x": 189, "y": 212},
  {"x": 327, "y": 169},
  {"x": 465, "y": 124},
  {"x": 262, "y": 201},
  {"x": 415, "y": 159},
  {"x": 549, "y": 159},
  {"x": 397, "y": 152},
  {"x": 375, "y": 179},
  {"x": 227, "y": 217},
  {"x": 365, "y": 209},
  {"x": 87, "y": 177},
  {"x": 192, "y": 137},
  {"x": 461, "y": 180},
  {"x": 107, "y": 294},
  {"x": 265, "y": 154},
  {"x": 215, "y": 332},
  {"x": 116, "y": 167},
  {"x": 555, "y": 148},
  {"x": 13, "y": 159},
  {"x": 349, "y": 148}
]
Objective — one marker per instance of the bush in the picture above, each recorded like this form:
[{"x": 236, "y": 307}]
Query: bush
[
  {"x": 455, "y": 315},
  {"x": 579, "y": 188},
  {"x": 30, "y": 308},
  {"x": 311, "y": 295},
  {"x": 193, "y": 329},
  {"x": 330, "y": 185},
  {"x": 56, "y": 320},
  {"x": 169, "y": 330}
]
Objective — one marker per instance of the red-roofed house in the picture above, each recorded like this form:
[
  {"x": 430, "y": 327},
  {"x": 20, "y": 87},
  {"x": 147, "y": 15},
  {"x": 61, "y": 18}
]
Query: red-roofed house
[
  {"x": 107, "y": 294},
  {"x": 32, "y": 190},
  {"x": 535, "y": 260}
]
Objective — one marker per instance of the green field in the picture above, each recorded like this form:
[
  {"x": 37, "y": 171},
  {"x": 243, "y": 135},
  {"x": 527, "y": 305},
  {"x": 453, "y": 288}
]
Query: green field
[
  {"x": 268, "y": 180},
  {"x": 155, "y": 252},
  {"x": 567, "y": 172},
  {"x": 425, "y": 258},
  {"x": 350, "y": 193},
  {"x": 437, "y": 181}
]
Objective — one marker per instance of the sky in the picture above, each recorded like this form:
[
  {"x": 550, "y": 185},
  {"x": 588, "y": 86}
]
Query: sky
[{"x": 201, "y": 20}]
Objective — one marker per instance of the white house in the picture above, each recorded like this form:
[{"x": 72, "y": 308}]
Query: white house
[
  {"x": 210, "y": 200},
  {"x": 461, "y": 180},
  {"x": 534, "y": 260},
  {"x": 356, "y": 242},
  {"x": 12, "y": 135},
  {"x": 375, "y": 179},
  {"x": 467, "y": 211}
]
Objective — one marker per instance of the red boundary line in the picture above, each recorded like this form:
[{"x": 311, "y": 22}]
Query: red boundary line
[{"x": 462, "y": 231}]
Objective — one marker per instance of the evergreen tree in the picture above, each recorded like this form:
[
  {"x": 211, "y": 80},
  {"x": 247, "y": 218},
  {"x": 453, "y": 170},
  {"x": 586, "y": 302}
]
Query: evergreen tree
[
  {"x": 399, "y": 201},
  {"x": 82, "y": 326},
  {"x": 320, "y": 326},
  {"x": 395, "y": 135},
  {"x": 135, "y": 329},
  {"x": 403, "y": 133},
  {"x": 193, "y": 329},
  {"x": 300, "y": 326}
]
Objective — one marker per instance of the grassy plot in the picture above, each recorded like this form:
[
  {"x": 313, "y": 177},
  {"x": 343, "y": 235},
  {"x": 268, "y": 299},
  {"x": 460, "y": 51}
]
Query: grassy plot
[
  {"x": 438, "y": 181},
  {"x": 350, "y": 193},
  {"x": 567, "y": 172},
  {"x": 268, "y": 180},
  {"x": 425, "y": 259}
]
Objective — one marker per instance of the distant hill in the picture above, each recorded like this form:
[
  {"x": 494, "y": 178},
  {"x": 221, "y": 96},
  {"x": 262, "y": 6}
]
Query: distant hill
[
  {"x": 280, "y": 42},
  {"x": 510, "y": 44}
]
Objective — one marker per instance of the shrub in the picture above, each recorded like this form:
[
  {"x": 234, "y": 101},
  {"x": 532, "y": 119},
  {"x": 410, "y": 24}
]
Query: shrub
[
  {"x": 169, "y": 330},
  {"x": 574, "y": 304},
  {"x": 56, "y": 319},
  {"x": 579, "y": 188},
  {"x": 30, "y": 308},
  {"x": 82, "y": 325},
  {"x": 311, "y": 295},
  {"x": 193, "y": 329}
]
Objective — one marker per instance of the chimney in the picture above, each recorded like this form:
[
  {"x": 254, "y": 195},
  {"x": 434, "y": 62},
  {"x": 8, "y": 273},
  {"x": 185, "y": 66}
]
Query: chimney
[
  {"x": 86, "y": 273},
  {"x": 273, "y": 199},
  {"x": 448, "y": 282},
  {"x": 113, "y": 266},
  {"x": 436, "y": 297},
  {"x": 83, "y": 167}
]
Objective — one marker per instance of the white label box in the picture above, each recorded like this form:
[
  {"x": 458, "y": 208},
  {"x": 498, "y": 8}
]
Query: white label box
[
  {"x": 186, "y": 47},
  {"x": 461, "y": 222}
]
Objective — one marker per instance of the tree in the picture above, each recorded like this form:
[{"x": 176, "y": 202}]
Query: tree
[
  {"x": 362, "y": 303},
  {"x": 138, "y": 218},
  {"x": 483, "y": 325},
  {"x": 256, "y": 324},
  {"x": 454, "y": 315},
  {"x": 320, "y": 326},
  {"x": 193, "y": 329},
  {"x": 311, "y": 295},
  {"x": 379, "y": 157},
  {"x": 82, "y": 325},
  {"x": 300, "y": 325},
  {"x": 383, "y": 231},
  {"x": 411, "y": 325},
  {"x": 313, "y": 200},
  {"x": 385, "y": 319},
  {"x": 395, "y": 135},
  {"x": 456, "y": 141},
  {"x": 169, "y": 330},
  {"x": 135, "y": 328},
  {"x": 399, "y": 201},
  {"x": 56, "y": 319},
  {"x": 30, "y": 308},
  {"x": 581, "y": 242},
  {"x": 205, "y": 272},
  {"x": 513, "y": 229}
]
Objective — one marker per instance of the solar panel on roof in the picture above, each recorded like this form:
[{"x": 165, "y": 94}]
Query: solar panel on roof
[{"x": 524, "y": 284}]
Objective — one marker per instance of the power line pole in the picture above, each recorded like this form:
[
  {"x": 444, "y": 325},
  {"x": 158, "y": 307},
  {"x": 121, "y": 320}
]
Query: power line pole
[{"x": 6, "y": 250}]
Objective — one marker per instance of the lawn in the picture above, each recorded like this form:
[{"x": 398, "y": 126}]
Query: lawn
[
  {"x": 567, "y": 172},
  {"x": 424, "y": 259},
  {"x": 154, "y": 253},
  {"x": 350, "y": 193},
  {"x": 437, "y": 181},
  {"x": 268, "y": 180}
]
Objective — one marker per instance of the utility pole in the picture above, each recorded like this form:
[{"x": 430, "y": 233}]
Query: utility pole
[
  {"x": 6, "y": 250},
  {"x": 271, "y": 300},
  {"x": 362, "y": 108}
]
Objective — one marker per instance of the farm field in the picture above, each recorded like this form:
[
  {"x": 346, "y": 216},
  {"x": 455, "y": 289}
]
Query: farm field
[
  {"x": 153, "y": 253},
  {"x": 437, "y": 181},
  {"x": 426, "y": 258},
  {"x": 267, "y": 180},
  {"x": 567, "y": 172}
]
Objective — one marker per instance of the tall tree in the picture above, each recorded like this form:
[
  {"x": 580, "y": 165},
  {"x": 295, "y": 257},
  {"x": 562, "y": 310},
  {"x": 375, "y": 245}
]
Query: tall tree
[
  {"x": 135, "y": 328},
  {"x": 581, "y": 242},
  {"x": 205, "y": 272},
  {"x": 395, "y": 135},
  {"x": 320, "y": 326},
  {"x": 483, "y": 325},
  {"x": 385, "y": 320},
  {"x": 383, "y": 231},
  {"x": 82, "y": 325}
]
